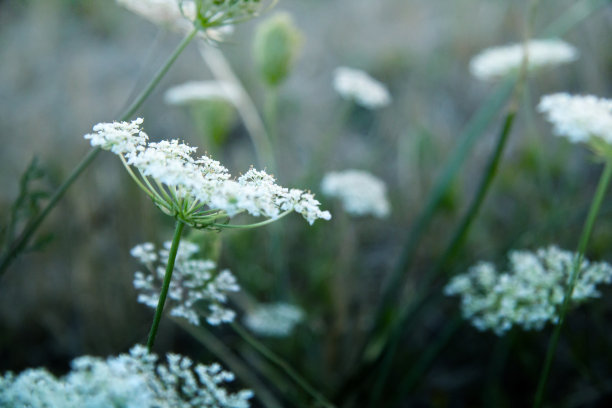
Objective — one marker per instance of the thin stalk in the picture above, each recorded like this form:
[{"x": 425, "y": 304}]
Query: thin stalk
[
  {"x": 271, "y": 113},
  {"x": 461, "y": 231},
  {"x": 223, "y": 72},
  {"x": 282, "y": 364},
  {"x": 21, "y": 242},
  {"x": 604, "y": 181},
  {"x": 473, "y": 130},
  {"x": 226, "y": 355},
  {"x": 257, "y": 224},
  {"x": 167, "y": 278}
]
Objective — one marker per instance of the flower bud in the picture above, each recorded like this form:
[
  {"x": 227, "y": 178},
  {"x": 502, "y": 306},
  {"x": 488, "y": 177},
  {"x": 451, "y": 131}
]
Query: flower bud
[{"x": 276, "y": 45}]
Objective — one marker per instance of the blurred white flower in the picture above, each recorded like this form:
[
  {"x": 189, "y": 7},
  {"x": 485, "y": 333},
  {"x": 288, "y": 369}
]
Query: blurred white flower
[
  {"x": 212, "y": 17},
  {"x": 132, "y": 380},
  {"x": 183, "y": 186},
  {"x": 274, "y": 319},
  {"x": 578, "y": 118},
  {"x": 360, "y": 192},
  {"x": 195, "y": 91},
  {"x": 529, "y": 294},
  {"x": 497, "y": 62},
  {"x": 357, "y": 85},
  {"x": 194, "y": 283}
]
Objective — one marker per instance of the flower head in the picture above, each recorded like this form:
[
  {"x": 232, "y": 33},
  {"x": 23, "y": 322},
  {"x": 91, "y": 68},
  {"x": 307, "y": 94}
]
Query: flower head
[
  {"x": 200, "y": 191},
  {"x": 583, "y": 119},
  {"x": 357, "y": 85},
  {"x": 134, "y": 380},
  {"x": 194, "y": 283},
  {"x": 497, "y": 62},
  {"x": 529, "y": 294},
  {"x": 182, "y": 15},
  {"x": 360, "y": 192},
  {"x": 274, "y": 319},
  {"x": 195, "y": 91}
]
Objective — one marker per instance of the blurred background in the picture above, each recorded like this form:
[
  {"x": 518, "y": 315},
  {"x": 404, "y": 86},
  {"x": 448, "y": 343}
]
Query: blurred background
[{"x": 69, "y": 64}]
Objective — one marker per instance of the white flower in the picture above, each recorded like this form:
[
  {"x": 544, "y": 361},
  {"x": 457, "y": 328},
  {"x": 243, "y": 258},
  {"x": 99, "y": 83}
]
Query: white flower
[
  {"x": 174, "y": 14},
  {"x": 361, "y": 193},
  {"x": 530, "y": 294},
  {"x": 193, "y": 284},
  {"x": 578, "y": 118},
  {"x": 195, "y": 91},
  {"x": 274, "y": 319},
  {"x": 212, "y": 16},
  {"x": 498, "y": 62},
  {"x": 183, "y": 186},
  {"x": 354, "y": 84},
  {"x": 119, "y": 137},
  {"x": 132, "y": 380}
]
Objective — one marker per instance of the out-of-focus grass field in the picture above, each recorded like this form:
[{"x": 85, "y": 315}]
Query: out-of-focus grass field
[{"x": 66, "y": 65}]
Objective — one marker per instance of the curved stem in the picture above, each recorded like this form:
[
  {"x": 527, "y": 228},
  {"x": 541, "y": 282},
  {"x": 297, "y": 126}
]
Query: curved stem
[
  {"x": 258, "y": 224},
  {"x": 282, "y": 364},
  {"x": 20, "y": 243},
  {"x": 222, "y": 71},
  {"x": 167, "y": 278},
  {"x": 604, "y": 181}
]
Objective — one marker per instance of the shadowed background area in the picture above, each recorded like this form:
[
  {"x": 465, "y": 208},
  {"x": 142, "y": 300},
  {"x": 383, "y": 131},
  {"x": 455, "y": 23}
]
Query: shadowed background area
[{"x": 69, "y": 64}]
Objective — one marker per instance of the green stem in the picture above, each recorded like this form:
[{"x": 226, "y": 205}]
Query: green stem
[
  {"x": 461, "y": 232},
  {"x": 604, "y": 181},
  {"x": 257, "y": 224},
  {"x": 282, "y": 364},
  {"x": 19, "y": 245},
  {"x": 167, "y": 278},
  {"x": 470, "y": 135},
  {"x": 270, "y": 112}
]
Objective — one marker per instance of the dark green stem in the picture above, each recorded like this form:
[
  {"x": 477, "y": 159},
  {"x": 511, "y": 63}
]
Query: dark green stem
[
  {"x": 283, "y": 365},
  {"x": 473, "y": 130},
  {"x": 167, "y": 278},
  {"x": 604, "y": 181},
  {"x": 21, "y": 242}
]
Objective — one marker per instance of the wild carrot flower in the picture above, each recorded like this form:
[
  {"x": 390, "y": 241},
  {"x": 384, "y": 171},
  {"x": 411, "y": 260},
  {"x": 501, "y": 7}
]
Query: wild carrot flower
[
  {"x": 195, "y": 91},
  {"x": 194, "y": 283},
  {"x": 132, "y": 380},
  {"x": 497, "y": 62},
  {"x": 581, "y": 119},
  {"x": 360, "y": 192},
  {"x": 357, "y": 85},
  {"x": 199, "y": 191},
  {"x": 182, "y": 15},
  {"x": 273, "y": 319},
  {"x": 529, "y": 294}
]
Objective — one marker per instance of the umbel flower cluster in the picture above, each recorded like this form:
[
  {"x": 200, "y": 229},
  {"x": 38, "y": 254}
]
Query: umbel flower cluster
[
  {"x": 360, "y": 192},
  {"x": 274, "y": 319},
  {"x": 132, "y": 380},
  {"x": 183, "y": 15},
  {"x": 497, "y": 62},
  {"x": 529, "y": 294},
  {"x": 580, "y": 119},
  {"x": 198, "y": 191},
  {"x": 194, "y": 283},
  {"x": 358, "y": 86}
]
